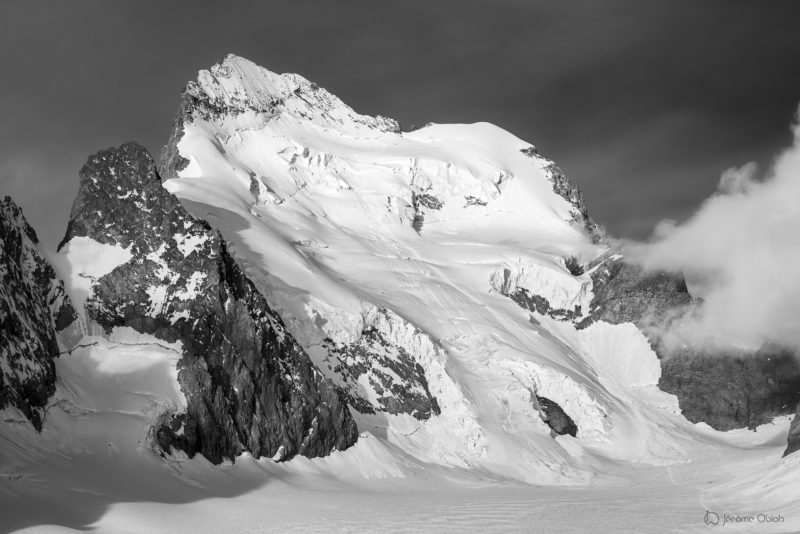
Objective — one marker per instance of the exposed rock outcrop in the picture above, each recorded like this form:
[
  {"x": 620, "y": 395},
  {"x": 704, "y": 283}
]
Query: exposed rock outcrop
[
  {"x": 563, "y": 296},
  {"x": 625, "y": 293},
  {"x": 725, "y": 388},
  {"x": 171, "y": 162},
  {"x": 732, "y": 389},
  {"x": 569, "y": 192},
  {"x": 248, "y": 385},
  {"x": 537, "y": 303},
  {"x": 385, "y": 368},
  {"x": 556, "y": 418},
  {"x": 793, "y": 441},
  {"x": 35, "y": 316},
  {"x": 420, "y": 202}
]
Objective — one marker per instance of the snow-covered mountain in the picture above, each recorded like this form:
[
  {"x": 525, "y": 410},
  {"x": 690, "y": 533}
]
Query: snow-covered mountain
[
  {"x": 246, "y": 383},
  {"x": 446, "y": 284},
  {"x": 37, "y": 319}
]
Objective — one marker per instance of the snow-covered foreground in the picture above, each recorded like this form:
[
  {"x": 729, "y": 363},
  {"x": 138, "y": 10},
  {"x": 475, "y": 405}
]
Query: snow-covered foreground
[
  {"x": 98, "y": 471},
  {"x": 305, "y": 496}
]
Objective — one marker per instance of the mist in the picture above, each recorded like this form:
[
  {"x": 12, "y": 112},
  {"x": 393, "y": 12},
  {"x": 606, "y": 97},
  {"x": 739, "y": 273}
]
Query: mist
[{"x": 739, "y": 254}]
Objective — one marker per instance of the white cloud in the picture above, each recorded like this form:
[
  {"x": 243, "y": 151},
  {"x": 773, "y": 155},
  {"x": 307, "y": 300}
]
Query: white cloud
[{"x": 740, "y": 252}]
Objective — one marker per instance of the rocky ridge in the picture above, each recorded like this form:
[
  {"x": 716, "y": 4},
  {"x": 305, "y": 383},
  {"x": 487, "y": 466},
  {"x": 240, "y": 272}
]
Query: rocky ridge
[
  {"x": 248, "y": 385},
  {"x": 228, "y": 89},
  {"x": 793, "y": 441},
  {"x": 569, "y": 192},
  {"x": 37, "y": 319}
]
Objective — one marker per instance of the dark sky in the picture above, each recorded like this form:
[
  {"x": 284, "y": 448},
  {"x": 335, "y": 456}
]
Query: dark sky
[{"x": 643, "y": 104}]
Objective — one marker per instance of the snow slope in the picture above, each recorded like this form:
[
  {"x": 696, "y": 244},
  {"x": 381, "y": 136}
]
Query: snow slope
[
  {"x": 336, "y": 215},
  {"x": 321, "y": 208}
]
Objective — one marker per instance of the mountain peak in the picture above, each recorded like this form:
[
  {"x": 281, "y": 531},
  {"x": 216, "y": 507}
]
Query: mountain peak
[
  {"x": 238, "y": 85},
  {"x": 12, "y": 214},
  {"x": 107, "y": 177},
  {"x": 239, "y": 89},
  {"x": 247, "y": 385}
]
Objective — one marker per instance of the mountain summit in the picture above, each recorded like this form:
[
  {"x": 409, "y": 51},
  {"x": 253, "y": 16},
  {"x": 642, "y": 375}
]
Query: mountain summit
[{"x": 296, "y": 279}]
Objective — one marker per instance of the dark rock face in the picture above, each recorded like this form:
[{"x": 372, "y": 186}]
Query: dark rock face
[
  {"x": 536, "y": 303},
  {"x": 35, "y": 312},
  {"x": 391, "y": 371},
  {"x": 625, "y": 293},
  {"x": 421, "y": 202},
  {"x": 724, "y": 388},
  {"x": 574, "y": 266},
  {"x": 474, "y": 201},
  {"x": 729, "y": 389},
  {"x": 569, "y": 192},
  {"x": 556, "y": 418},
  {"x": 248, "y": 385},
  {"x": 427, "y": 200},
  {"x": 794, "y": 434},
  {"x": 171, "y": 162}
]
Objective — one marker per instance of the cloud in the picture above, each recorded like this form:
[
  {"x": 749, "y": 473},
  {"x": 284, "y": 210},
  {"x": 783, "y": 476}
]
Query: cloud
[{"x": 740, "y": 253}]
